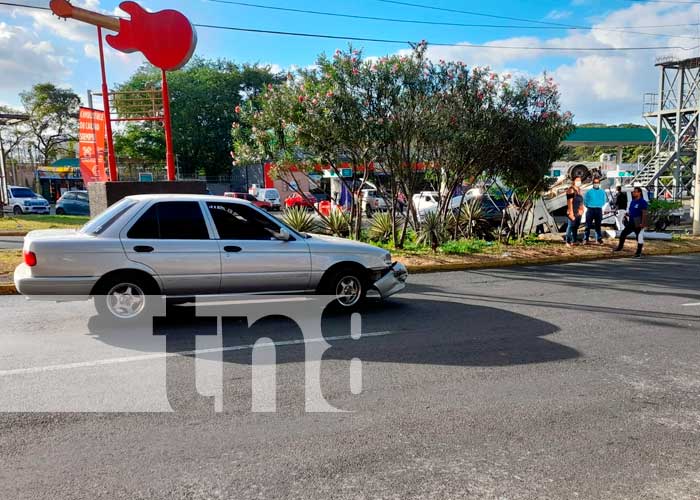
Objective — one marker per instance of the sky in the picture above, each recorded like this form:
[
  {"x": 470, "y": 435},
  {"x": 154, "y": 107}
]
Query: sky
[{"x": 604, "y": 86}]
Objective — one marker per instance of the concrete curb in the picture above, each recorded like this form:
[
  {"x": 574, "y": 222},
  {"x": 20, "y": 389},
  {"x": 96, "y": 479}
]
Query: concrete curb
[
  {"x": 9, "y": 288},
  {"x": 473, "y": 266}
]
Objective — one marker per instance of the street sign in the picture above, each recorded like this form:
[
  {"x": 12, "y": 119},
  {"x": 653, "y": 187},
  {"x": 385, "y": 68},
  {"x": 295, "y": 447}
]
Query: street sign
[
  {"x": 145, "y": 177},
  {"x": 344, "y": 172}
]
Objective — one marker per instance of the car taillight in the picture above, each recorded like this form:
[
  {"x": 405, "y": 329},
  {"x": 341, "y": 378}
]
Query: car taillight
[{"x": 30, "y": 258}]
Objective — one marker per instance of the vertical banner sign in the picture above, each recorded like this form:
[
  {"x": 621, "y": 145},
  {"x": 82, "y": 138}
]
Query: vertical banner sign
[{"x": 92, "y": 145}]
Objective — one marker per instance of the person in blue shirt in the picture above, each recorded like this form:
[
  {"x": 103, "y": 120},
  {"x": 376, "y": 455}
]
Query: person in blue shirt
[
  {"x": 594, "y": 200},
  {"x": 636, "y": 223}
]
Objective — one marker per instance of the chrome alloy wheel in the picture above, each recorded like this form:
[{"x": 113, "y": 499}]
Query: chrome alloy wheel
[
  {"x": 348, "y": 291},
  {"x": 126, "y": 300}
]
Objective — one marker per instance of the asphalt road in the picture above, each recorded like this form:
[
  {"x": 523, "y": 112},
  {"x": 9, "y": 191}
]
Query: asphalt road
[
  {"x": 572, "y": 381},
  {"x": 11, "y": 242}
]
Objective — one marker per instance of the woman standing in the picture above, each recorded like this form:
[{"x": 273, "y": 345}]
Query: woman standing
[{"x": 574, "y": 211}]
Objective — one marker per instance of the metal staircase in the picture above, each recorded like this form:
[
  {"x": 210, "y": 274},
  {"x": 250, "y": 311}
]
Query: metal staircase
[{"x": 655, "y": 168}]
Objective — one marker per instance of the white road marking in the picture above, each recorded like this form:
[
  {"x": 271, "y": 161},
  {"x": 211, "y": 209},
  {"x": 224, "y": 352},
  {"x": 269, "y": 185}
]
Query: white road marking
[
  {"x": 693, "y": 304},
  {"x": 160, "y": 355}
]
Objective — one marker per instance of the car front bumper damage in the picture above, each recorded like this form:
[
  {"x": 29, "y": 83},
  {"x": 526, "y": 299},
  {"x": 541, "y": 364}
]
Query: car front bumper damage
[{"x": 392, "y": 281}]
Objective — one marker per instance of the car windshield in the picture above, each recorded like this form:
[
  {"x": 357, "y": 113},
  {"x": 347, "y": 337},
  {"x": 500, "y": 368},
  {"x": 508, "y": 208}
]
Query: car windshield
[
  {"x": 107, "y": 218},
  {"x": 23, "y": 193},
  {"x": 271, "y": 195}
]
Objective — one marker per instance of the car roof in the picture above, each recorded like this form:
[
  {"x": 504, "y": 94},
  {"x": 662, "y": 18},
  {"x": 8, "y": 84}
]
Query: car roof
[{"x": 186, "y": 197}]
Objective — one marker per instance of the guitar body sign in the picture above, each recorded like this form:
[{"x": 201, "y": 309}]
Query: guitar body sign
[{"x": 166, "y": 38}]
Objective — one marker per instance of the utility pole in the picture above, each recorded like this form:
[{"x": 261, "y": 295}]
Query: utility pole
[
  {"x": 6, "y": 118},
  {"x": 696, "y": 184},
  {"x": 3, "y": 178}
]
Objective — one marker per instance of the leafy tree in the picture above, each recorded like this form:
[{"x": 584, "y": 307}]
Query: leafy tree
[
  {"x": 53, "y": 113},
  {"x": 11, "y": 134},
  {"x": 322, "y": 117},
  {"x": 203, "y": 97}
]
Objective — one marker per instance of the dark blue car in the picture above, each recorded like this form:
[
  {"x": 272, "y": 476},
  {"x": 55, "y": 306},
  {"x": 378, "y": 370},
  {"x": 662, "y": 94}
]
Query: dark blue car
[{"x": 73, "y": 203}]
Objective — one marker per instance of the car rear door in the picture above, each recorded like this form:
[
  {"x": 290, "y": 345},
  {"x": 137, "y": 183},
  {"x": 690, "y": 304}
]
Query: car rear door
[
  {"x": 173, "y": 239},
  {"x": 252, "y": 260},
  {"x": 82, "y": 204},
  {"x": 68, "y": 203}
]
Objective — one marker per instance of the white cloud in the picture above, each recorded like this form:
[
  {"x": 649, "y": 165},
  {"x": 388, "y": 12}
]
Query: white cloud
[
  {"x": 26, "y": 60},
  {"x": 556, "y": 14},
  {"x": 596, "y": 85}
]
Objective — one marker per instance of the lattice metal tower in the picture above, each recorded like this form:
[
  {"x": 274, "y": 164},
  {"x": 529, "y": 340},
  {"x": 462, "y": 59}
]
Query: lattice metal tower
[{"x": 672, "y": 115}]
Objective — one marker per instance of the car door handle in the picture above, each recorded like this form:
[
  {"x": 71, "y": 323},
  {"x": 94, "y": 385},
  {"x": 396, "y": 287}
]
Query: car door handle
[
  {"x": 232, "y": 249},
  {"x": 143, "y": 249}
]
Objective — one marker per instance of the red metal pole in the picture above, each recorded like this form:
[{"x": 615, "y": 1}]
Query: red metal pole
[
  {"x": 169, "y": 155},
  {"x": 111, "y": 159}
]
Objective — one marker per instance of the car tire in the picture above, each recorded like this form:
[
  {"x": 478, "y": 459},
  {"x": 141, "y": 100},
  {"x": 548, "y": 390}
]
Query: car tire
[
  {"x": 60, "y": 211},
  {"x": 370, "y": 212},
  {"x": 349, "y": 286},
  {"x": 125, "y": 297},
  {"x": 17, "y": 210}
]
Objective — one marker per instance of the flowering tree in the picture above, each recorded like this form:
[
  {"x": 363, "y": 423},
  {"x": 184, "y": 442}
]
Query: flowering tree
[
  {"x": 323, "y": 116},
  {"x": 400, "y": 112}
]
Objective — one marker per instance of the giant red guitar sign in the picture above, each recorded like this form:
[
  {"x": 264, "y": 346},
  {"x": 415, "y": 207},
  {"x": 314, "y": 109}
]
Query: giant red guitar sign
[{"x": 166, "y": 38}]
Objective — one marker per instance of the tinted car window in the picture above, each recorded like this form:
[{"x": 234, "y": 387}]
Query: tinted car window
[
  {"x": 69, "y": 196},
  {"x": 171, "y": 220},
  {"x": 82, "y": 197},
  {"x": 238, "y": 222},
  {"x": 23, "y": 193}
]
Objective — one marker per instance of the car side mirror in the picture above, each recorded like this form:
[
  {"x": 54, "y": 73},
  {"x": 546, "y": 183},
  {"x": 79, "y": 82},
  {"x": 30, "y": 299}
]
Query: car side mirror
[{"x": 283, "y": 235}]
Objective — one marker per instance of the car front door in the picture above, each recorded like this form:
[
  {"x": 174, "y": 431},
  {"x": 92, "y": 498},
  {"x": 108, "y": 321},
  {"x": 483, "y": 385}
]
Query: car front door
[
  {"x": 172, "y": 238},
  {"x": 252, "y": 259}
]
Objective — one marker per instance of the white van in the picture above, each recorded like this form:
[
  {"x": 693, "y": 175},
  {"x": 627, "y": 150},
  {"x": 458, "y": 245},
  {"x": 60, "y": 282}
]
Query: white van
[
  {"x": 426, "y": 201},
  {"x": 22, "y": 200},
  {"x": 270, "y": 195}
]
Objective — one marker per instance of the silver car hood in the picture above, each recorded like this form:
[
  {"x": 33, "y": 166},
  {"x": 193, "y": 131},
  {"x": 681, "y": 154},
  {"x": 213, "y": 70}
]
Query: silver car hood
[{"x": 323, "y": 242}]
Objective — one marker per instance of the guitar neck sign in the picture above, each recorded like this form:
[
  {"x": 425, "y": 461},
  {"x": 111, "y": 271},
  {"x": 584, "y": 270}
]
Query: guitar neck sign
[{"x": 166, "y": 38}]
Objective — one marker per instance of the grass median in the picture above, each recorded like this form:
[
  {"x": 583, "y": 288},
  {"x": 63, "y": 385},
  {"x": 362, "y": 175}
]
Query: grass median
[{"x": 23, "y": 223}]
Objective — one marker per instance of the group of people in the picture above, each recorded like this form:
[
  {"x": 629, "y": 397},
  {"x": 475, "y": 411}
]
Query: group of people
[{"x": 631, "y": 219}]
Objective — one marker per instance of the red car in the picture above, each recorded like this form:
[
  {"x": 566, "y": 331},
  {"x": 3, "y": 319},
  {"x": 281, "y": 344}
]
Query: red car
[
  {"x": 297, "y": 200},
  {"x": 249, "y": 197}
]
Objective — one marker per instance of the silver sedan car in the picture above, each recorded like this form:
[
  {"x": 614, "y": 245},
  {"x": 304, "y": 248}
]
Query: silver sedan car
[{"x": 189, "y": 245}]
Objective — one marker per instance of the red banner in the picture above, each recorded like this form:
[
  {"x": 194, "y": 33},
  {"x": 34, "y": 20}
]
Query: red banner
[{"x": 92, "y": 145}]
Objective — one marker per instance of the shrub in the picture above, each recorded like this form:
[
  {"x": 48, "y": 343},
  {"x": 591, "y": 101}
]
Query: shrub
[
  {"x": 381, "y": 228},
  {"x": 471, "y": 221},
  {"x": 337, "y": 224},
  {"x": 432, "y": 231},
  {"x": 299, "y": 219}
]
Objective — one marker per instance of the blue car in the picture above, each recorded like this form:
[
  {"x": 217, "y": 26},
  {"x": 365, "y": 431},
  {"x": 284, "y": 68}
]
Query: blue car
[{"x": 73, "y": 203}]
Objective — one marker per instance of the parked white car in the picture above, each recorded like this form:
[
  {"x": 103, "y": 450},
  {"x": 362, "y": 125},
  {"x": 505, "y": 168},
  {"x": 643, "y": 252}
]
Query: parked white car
[
  {"x": 189, "y": 245},
  {"x": 22, "y": 200},
  {"x": 270, "y": 195}
]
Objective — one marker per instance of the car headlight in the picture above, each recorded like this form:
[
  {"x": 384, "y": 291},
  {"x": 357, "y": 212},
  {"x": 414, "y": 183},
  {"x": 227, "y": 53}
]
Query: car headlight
[{"x": 387, "y": 259}]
